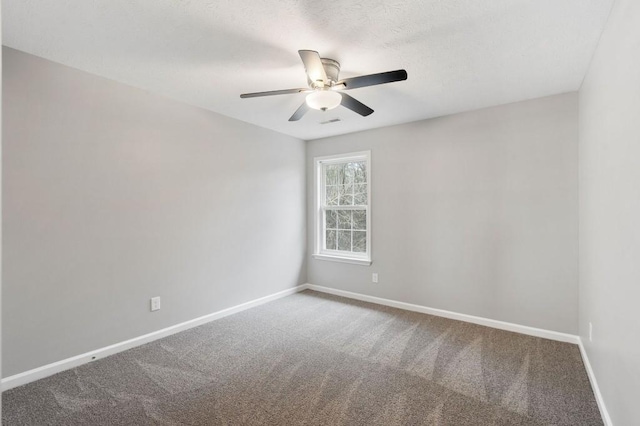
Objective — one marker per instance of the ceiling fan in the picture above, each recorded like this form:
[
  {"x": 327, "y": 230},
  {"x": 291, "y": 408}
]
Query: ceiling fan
[{"x": 325, "y": 90}]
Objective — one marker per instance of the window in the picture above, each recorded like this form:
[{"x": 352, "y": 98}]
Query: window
[{"x": 343, "y": 215}]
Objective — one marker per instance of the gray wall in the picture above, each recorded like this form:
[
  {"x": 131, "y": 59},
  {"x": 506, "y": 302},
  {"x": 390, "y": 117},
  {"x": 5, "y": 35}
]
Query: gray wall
[
  {"x": 610, "y": 213},
  {"x": 113, "y": 195},
  {"x": 0, "y": 208},
  {"x": 474, "y": 213}
]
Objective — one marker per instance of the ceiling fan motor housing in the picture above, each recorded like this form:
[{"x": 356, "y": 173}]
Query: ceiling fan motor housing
[{"x": 332, "y": 69}]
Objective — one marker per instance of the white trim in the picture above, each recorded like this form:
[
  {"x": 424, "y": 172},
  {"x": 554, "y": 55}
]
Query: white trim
[
  {"x": 66, "y": 364},
  {"x": 75, "y": 361},
  {"x": 341, "y": 158},
  {"x": 319, "y": 209},
  {"x": 523, "y": 329},
  {"x": 594, "y": 385},
  {"x": 342, "y": 259}
]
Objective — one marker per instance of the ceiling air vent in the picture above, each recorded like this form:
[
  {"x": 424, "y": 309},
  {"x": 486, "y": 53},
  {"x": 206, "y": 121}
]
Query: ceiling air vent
[{"x": 333, "y": 120}]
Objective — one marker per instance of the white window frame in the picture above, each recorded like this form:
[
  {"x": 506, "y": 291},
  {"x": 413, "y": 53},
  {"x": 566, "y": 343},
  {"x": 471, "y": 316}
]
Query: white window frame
[{"x": 319, "y": 209}]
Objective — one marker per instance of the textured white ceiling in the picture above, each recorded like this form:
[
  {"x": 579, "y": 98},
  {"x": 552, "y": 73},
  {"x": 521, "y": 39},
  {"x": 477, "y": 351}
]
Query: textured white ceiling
[{"x": 460, "y": 54}]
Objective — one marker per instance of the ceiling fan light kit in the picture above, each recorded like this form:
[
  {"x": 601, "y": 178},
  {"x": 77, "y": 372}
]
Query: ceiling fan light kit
[
  {"x": 325, "y": 87},
  {"x": 323, "y": 100}
]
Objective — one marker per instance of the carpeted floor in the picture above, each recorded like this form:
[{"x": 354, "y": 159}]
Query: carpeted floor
[{"x": 317, "y": 359}]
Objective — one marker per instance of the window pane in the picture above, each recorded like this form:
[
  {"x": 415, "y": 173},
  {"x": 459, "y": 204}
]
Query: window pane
[
  {"x": 331, "y": 240},
  {"x": 332, "y": 219},
  {"x": 345, "y": 193},
  {"x": 359, "y": 241},
  {"x": 332, "y": 196},
  {"x": 344, "y": 240},
  {"x": 360, "y": 175},
  {"x": 360, "y": 197},
  {"x": 344, "y": 219},
  {"x": 332, "y": 173},
  {"x": 346, "y": 200},
  {"x": 348, "y": 173},
  {"x": 342, "y": 178},
  {"x": 359, "y": 219}
]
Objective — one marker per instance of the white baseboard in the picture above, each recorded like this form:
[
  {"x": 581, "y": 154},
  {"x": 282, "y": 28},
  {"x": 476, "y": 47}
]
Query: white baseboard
[
  {"x": 75, "y": 361},
  {"x": 531, "y": 331},
  {"x": 523, "y": 329},
  {"x": 594, "y": 385},
  {"x": 66, "y": 364}
]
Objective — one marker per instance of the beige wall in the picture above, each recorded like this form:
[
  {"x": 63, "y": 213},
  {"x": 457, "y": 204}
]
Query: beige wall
[
  {"x": 610, "y": 213},
  {"x": 474, "y": 213},
  {"x": 113, "y": 195}
]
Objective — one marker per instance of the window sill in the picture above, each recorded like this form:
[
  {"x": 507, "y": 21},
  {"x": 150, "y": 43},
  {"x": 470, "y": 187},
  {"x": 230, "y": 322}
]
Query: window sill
[{"x": 351, "y": 260}]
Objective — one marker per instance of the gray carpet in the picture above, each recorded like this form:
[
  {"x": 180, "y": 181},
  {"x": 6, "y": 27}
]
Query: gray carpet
[{"x": 316, "y": 359}]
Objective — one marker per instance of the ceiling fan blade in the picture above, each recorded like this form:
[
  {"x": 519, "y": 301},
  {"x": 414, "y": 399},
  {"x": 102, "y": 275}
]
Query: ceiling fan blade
[
  {"x": 373, "y": 79},
  {"x": 273, "y": 92},
  {"x": 313, "y": 66},
  {"x": 302, "y": 110},
  {"x": 355, "y": 105}
]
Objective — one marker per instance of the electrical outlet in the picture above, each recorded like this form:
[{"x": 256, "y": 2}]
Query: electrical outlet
[
  {"x": 590, "y": 332},
  {"x": 155, "y": 303},
  {"x": 374, "y": 277}
]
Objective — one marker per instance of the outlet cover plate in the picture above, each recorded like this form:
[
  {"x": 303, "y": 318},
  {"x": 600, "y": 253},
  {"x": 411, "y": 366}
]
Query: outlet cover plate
[{"x": 155, "y": 303}]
